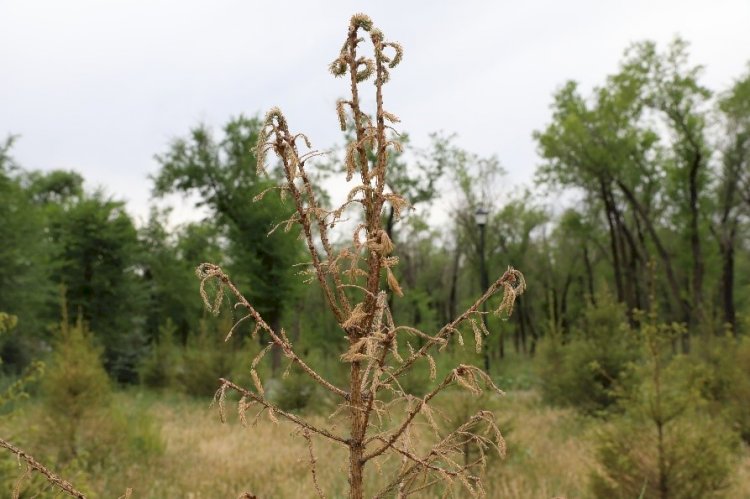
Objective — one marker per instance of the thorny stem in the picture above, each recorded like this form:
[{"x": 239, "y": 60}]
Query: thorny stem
[{"x": 59, "y": 482}]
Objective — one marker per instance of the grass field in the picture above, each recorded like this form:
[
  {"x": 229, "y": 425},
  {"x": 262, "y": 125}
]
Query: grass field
[{"x": 550, "y": 453}]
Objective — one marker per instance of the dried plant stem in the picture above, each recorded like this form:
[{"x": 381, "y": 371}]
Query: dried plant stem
[
  {"x": 313, "y": 461},
  {"x": 210, "y": 270},
  {"x": 360, "y": 306},
  {"x": 509, "y": 277},
  {"x": 291, "y": 417},
  {"x": 410, "y": 417},
  {"x": 32, "y": 463}
]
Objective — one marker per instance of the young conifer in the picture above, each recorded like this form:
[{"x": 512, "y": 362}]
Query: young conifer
[{"x": 381, "y": 414}]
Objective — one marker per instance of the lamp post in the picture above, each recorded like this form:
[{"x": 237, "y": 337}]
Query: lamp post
[{"x": 480, "y": 216}]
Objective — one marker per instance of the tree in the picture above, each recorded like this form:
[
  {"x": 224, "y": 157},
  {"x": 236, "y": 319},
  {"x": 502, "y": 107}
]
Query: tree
[
  {"x": 166, "y": 265},
  {"x": 96, "y": 247},
  {"x": 652, "y": 186},
  {"x": 360, "y": 305},
  {"x": 25, "y": 291},
  {"x": 732, "y": 188},
  {"x": 663, "y": 444},
  {"x": 223, "y": 175}
]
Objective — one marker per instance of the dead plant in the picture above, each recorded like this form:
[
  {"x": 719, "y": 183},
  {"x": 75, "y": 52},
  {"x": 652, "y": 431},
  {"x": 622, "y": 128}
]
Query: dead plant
[{"x": 351, "y": 278}]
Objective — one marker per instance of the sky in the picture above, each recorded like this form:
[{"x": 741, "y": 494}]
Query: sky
[{"x": 101, "y": 86}]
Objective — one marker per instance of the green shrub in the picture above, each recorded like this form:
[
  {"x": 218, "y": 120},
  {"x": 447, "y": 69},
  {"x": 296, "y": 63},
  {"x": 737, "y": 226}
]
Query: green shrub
[
  {"x": 293, "y": 392},
  {"x": 159, "y": 368},
  {"x": 585, "y": 371},
  {"x": 85, "y": 428},
  {"x": 696, "y": 449},
  {"x": 14, "y": 387},
  {"x": 726, "y": 382},
  {"x": 665, "y": 443},
  {"x": 74, "y": 386},
  {"x": 206, "y": 358}
]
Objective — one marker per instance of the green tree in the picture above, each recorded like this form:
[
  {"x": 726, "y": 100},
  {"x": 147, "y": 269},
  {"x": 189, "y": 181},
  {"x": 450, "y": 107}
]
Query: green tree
[
  {"x": 732, "y": 189},
  {"x": 96, "y": 247},
  {"x": 222, "y": 174},
  {"x": 25, "y": 290},
  {"x": 640, "y": 152},
  {"x": 664, "y": 444},
  {"x": 167, "y": 268},
  {"x": 75, "y": 385}
]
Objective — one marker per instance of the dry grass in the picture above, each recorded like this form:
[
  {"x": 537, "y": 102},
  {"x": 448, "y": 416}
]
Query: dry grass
[{"x": 550, "y": 454}]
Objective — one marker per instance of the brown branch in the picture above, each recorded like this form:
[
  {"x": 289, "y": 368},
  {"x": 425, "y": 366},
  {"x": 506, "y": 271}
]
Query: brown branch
[
  {"x": 509, "y": 277},
  {"x": 308, "y": 438},
  {"x": 439, "y": 450},
  {"x": 291, "y": 417},
  {"x": 410, "y": 417},
  {"x": 305, "y": 222},
  {"x": 323, "y": 231},
  {"x": 32, "y": 463},
  {"x": 208, "y": 270}
]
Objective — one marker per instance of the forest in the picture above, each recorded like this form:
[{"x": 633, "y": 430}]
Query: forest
[{"x": 623, "y": 352}]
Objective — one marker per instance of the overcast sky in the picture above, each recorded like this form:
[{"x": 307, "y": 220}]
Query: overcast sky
[{"x": 100, "y": 86}]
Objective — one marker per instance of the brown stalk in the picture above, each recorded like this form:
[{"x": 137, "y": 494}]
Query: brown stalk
[
  {"x": 52, "y": 478},
  {"x": 373, "y": 351}
]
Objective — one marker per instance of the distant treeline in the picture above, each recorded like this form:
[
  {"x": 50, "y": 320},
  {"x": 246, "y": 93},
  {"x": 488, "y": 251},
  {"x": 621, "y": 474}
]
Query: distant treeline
[{"x": 657, "y": 167}]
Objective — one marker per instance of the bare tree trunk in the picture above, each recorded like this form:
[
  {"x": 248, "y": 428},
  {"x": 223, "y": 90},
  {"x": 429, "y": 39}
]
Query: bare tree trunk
[
  {"x": 666, "y": 260},
  {"x": 589, "y": 274},
  {"x": 695, "y": 242},
  {"x": 613, "y": 241},
  {"x": 453, "y": 297},
  {"x": 727, "y": 279}
]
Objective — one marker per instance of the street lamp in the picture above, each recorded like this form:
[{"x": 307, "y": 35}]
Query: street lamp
[{"x": 480, "y": 216}]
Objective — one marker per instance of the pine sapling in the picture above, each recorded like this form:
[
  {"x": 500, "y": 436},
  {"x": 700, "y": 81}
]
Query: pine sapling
[{"x": 352, "y": 279}]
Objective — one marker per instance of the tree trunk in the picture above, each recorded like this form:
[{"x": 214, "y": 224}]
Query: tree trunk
[
  {"x": 613, "y": 241},
  {"x": 727, "y": 280},
  {"x": 358, "y": 426},
  {"x": 589, "y": 274},
  {"x": 453, "y": 297},
  {"x": 695, "y": 242},
  {"x": 674, "y": 287}
]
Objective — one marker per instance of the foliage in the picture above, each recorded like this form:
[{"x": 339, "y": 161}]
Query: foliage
[
  {"x": 294, "y": 391},
  {"x": 25, "y": 290},
  {"x": 724, "y": 380},
  {"x": 159, "y": 369},
  {"x": 586, "y": 369},
  {"x": 206, "y": 358},
  {"x": 664, "y": 444},
  {"x": 222, "y": 173},
  {"x": 16, "y": 388},
  {"x": 96, "y": 247},
  {"x": 75, "y": 385}
]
